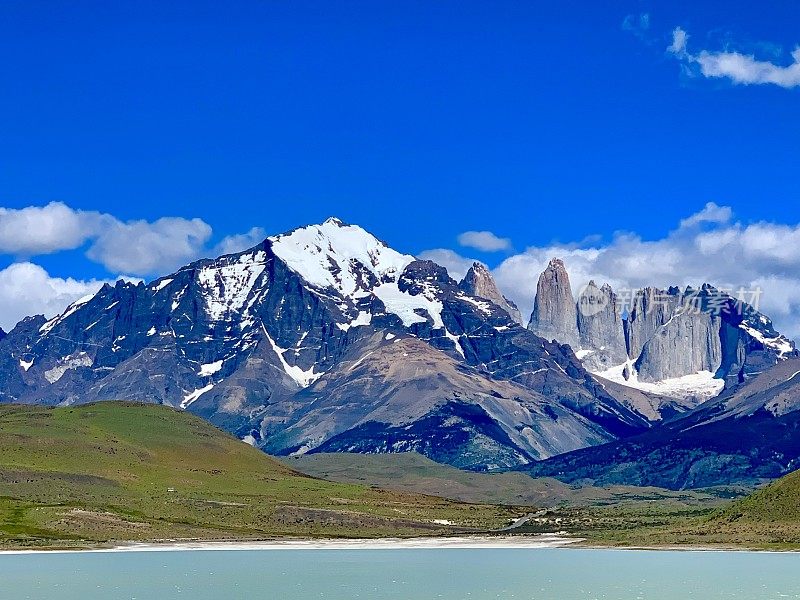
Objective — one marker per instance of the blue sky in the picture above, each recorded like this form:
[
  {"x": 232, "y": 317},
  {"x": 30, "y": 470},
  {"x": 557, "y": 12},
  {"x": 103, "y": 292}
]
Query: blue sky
[{"x": 538, "y": 122}]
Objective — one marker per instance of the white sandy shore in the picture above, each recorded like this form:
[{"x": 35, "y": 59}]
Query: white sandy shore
[{"x": 516, "y": 541}]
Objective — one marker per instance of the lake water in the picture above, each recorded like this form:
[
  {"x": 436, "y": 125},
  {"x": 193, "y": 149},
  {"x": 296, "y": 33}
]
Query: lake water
[{"x": 407, "y": 574}]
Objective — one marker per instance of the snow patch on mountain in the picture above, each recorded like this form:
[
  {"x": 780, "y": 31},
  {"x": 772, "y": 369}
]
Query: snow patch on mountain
[
  {"x": 208, "y": 369},
  {"x": 227, "y": 286},
  {"x": 334, "y": 255},
  {"x": 456, "y": 341},
  {"x": 73, "y": 361},
  {"x": 303, "y": 377},
  {"x": 408, "y": 306},
  {"x": 363, "y": 318},
  {"x": 192, "y": 396},
  {"x": 44, "y": 329},
  {"x": 484, "y": 307},
  {"x": 701, "y": 385},
  {"x": 160, "y": 285},
  {"x": 779, "y": 343}
]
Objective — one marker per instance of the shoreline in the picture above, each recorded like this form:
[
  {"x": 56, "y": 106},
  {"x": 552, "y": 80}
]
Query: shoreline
[
  {"x": 460, "y": 542},
  {"x": 522, "y": 542}
]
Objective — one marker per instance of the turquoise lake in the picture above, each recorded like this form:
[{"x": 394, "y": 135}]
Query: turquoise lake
[{"x": 408, "y": 574}]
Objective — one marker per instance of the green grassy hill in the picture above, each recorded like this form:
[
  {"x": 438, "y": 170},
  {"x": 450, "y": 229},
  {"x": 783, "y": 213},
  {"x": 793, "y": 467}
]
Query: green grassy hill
[
  {"x": 110, "y": 472},
  {"x": 769, "y": 517},
  {"x": 778, "y": 502}
]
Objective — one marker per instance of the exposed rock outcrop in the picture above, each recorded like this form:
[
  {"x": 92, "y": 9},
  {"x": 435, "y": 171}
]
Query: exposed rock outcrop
[
  {"x": 554, "y": 314},
  {"x": 651, "y": 309},
  {"x": 600, "y": 328},
  {"x": 662, "y": 334},
  {"x": 479, "y": 282},
  {"x": 687, "y": 343}
]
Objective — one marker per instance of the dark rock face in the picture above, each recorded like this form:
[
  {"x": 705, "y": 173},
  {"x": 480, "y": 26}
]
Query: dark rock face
[
  {"x": 251, "y": 341},
  {"x": 479, "y": 282},
  {"x": 746, "y": 436},
  {"x": 554, "y": 315},
  {"x": 407, "y": 389}
]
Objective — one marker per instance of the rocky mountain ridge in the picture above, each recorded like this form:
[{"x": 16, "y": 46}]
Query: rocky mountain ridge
[
  {"x": 685, "y": 344},
  {"x": 323, "y": 338},
  {"x": 479, "y": 282},
  {"x": 746, "y": 436}
]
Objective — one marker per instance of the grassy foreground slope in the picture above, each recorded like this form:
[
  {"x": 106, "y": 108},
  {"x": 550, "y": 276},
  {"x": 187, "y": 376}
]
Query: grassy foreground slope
[
  {"x": 769, "y": 517},
  {"x": 111, "y": 472},
  {"x": 778, "y": 502}
]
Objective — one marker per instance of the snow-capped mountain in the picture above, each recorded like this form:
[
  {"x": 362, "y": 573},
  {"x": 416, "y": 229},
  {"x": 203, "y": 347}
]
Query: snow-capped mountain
[
  {"x": 323, "y": 338},
  {"x": 684, "y": 345}
]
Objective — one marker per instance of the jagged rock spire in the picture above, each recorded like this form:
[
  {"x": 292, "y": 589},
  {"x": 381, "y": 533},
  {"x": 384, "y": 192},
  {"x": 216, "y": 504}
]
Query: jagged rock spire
[
  {"x": 554, "y": 315},
  {"x": 600, "y": 327},
  {"x": 479, "y": 282}
]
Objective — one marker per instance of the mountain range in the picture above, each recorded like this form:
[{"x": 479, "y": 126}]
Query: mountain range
[
  {"x": 686, "y": 344},
  {"x": 324, "y": 339}
]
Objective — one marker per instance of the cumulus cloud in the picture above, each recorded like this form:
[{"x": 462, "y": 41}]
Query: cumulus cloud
[
  {"x": 136, "y": 247},
  {"x": 739, "y": 68},
  {"x": 711, "y": 213},
  {"x": 708, "y": 246},
  {"x": 27, "y": 289},
  {"x": 485, "y": 241},
  {"x": 236, "y": 243},
  {"x": 142, "y": 247},
  {"x": 45, "y": 229}
]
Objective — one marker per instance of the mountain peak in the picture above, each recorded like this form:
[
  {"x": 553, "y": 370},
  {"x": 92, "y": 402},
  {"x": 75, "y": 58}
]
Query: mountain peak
[
  {"x": 334, "y": 254},
  {"x": 479, "y": 282},
  {"x": 479, "y": 266},
  {"x": 554, "y": 314},
  {"x": 556, "y": 264}
]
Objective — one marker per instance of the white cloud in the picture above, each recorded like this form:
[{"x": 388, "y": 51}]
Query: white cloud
[
  {"x": 711, "y": 213},
  {"x": 236, "y": 243},
  {"x": 485, "y": 241},
  {"x": 456, "y": 265},
  {"x": 141, "y": 247},
  {"x": 740, "y": 68},
  {"x": 705, "y": 247},
  {"x": 137, "y": 247},
  {"x": 679, "y": 39},
  {"x": 27, "y": 289},
  {"x": 45, "y": 229}
]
